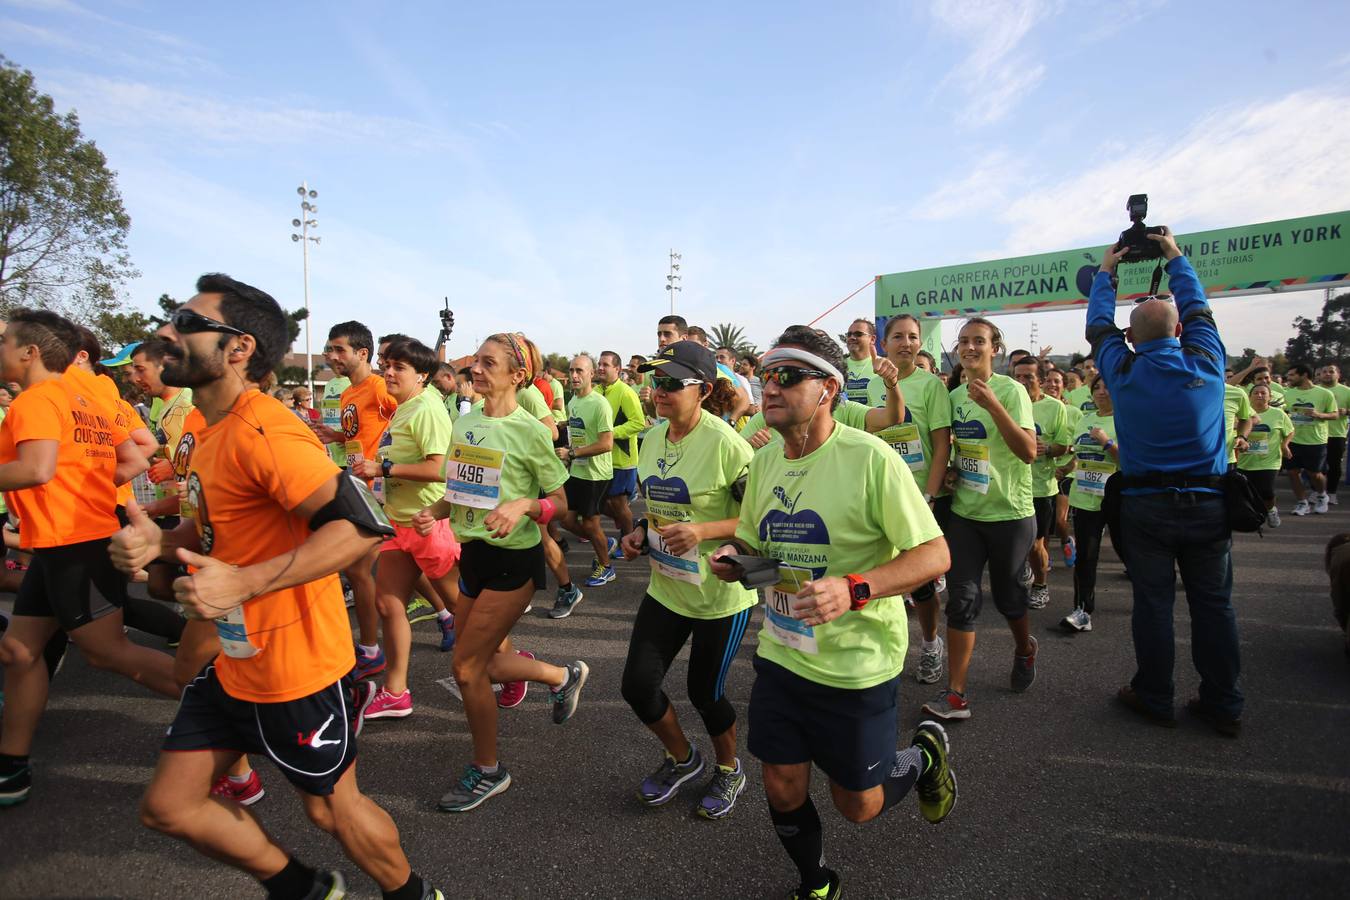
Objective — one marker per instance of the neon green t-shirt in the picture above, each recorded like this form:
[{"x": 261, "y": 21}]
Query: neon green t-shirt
[
  {"x": 1080, "y": 398},
  {"x": 493, "y": 460},
  {"x": 420, "y": 428},
  {"x": 330, "y": 414},
  {"x": 589, "y": 417},
  {"x": 993, "y": 485},
  {"x": 532, "y": 401},
  {"x": 1266, "y": 442},
  {"x": 926, "y": 410},
  {"x": 864, "y": 386},
  {"x": 1237, "y": 407},
  {"x": 854, "y": 415},
  {"x": 795, "y": 512},
  {"x": 1336, "y": 428},
  {"x": 1073, "y": 415},
  {"x": 452, "y": 405},
  {"x": 690, "y": 481},
  {"x": 629, "y": 422},
  {"x": 1052, "y": 426},
  {"x": 1095, "y": 464},
  {"x": 559, "y": 408},
  {"x": 1299, "y": 402}
]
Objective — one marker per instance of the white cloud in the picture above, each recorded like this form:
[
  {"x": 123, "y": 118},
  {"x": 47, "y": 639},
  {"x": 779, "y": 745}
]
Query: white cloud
[
  {"x": 984, "y": 187},
  {"x": 144, "y": 108},
  {"x": 996, "y": 72}
]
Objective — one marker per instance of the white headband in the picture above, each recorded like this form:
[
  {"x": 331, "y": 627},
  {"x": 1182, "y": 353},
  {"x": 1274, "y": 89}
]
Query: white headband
[{"x": 779, "y": 354}]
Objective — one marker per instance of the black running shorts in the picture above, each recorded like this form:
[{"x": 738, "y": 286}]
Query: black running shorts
[
  {"x": 75, "y": 585},
  {"x": 850, "y": 734},
  {"x": 312, "y": 740},
  {"x": 1045, "y": 515},
  {"x": 586, "y": 497},
  {"x": 487, "y": 567}
]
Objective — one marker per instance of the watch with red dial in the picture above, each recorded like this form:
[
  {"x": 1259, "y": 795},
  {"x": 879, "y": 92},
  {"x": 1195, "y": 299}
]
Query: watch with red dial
[{"x": 859, "y": 591}]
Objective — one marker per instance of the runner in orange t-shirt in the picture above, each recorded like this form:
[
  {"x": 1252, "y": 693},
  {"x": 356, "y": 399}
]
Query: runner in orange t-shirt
[
  {"x": 273, "y": 519},
  {"x": 367, "y": 410},
  {"x": 59, "y": 458}
]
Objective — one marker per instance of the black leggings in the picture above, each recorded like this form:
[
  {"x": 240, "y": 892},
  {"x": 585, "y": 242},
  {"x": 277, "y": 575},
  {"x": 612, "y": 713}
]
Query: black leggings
[
  {"x": 658, "y": 636},
  {"x": 1087, "y": 534},
  {"x": 1335, "y": 461}
]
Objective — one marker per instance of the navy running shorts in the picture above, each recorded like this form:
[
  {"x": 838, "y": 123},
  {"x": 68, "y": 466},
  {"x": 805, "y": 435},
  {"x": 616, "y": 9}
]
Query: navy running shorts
[{"x": 850, "y": 734}]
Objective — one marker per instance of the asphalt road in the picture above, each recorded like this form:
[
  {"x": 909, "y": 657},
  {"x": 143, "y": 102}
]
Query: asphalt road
[{"x": 1061, "y": 792}]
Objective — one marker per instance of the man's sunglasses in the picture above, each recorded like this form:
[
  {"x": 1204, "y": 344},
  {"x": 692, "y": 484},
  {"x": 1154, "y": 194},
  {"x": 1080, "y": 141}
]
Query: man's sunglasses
[
  {"x": 787, "y": 376},
  {"x": 670, "y": 384},
  {"x": 186, "y": 321},
  {"x": 857, "y": 334}
]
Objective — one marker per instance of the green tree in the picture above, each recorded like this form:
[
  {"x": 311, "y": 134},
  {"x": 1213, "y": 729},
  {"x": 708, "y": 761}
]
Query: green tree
[
  {"x": 62, "y": 225},
  {"x": 725, "y": 334},
  {"x": 1324, "y": 338},
  {"x": 117, "y": 329}
]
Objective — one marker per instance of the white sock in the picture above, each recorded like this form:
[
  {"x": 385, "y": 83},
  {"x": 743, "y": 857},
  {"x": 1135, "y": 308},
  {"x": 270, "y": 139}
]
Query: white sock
[
  {"x": 930, "y": 645},
  {"x": 241, "y": 779},
  {"x": 369, "y": 652},
  {"x": 443, "y": 614},
  {"x": 489, "y": 770}
]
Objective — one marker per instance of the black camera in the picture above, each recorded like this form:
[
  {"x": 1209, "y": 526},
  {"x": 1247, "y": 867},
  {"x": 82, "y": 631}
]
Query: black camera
[{"x": 1138, "y": 248}]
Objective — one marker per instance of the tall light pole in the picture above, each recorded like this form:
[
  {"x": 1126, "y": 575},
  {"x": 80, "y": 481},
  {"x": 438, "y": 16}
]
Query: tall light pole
[
  {"x": 673, "y": 279},
  {"x": 305, "y": 223}
]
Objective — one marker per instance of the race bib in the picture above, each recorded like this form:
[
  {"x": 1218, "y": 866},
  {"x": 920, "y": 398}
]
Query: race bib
[
  {"x": 352, "y": 449},
  {"x": 778, "y": 619},
  {"x": 972, "y": 464},
  {"x": 330, "y": 414},
  {"x": 1258, "y": 448},
  {"x": 1300, "y": 416},
  {"x": 234, "y": 641},
  {"x": 1090, "y": 477},
  {"x": 678, "y": 567},
  {"x": 473, "y": 476},
  {"x": 904, "y": 439}
]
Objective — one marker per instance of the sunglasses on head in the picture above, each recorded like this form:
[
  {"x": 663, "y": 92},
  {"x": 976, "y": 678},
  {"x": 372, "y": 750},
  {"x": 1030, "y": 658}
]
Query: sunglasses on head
[
  {"x": 670, "y": 384},
  {"x": 186, "y": 321},
  {"x": 787, "y": 376}
]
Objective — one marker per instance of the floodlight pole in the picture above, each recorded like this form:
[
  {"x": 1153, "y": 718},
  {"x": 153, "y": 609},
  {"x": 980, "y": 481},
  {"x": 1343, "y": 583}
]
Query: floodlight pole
[{"x": 304, "y": 223}]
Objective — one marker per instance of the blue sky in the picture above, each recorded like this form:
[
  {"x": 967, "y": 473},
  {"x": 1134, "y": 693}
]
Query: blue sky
[{"x": 536, "y": 161}]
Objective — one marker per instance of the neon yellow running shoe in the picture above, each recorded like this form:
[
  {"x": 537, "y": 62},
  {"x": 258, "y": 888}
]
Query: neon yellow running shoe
[{"x": 937, "y": 785}]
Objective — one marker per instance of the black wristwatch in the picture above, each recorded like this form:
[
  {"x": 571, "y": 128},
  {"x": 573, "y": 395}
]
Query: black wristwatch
[{"x": 387, "y": 467}]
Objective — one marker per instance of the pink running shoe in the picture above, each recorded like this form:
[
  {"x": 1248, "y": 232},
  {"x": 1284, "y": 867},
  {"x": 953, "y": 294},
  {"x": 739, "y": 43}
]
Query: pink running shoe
[
  {"x": 246, "y": 794},
  {"x": 513, "y": 692},
  {"x": 389, "y": 706}
]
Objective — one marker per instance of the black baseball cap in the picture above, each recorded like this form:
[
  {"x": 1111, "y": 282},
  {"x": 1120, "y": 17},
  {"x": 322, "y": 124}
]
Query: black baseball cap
[{"x": 684, "y": 359}]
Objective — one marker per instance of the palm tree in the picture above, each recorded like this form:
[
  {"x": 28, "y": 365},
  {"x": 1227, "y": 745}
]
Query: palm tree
[{"x": 725, "y": 334}]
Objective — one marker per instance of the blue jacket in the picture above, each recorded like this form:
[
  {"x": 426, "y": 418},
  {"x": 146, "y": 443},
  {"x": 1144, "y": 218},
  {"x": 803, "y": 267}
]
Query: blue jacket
[{"x": 1167, "y": 393}]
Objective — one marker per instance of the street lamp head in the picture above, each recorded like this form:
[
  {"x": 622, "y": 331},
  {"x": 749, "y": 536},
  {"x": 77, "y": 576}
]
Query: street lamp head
[
  {"x": 312, "y": 223},
  {"x": 295, "y": 237},
  {"x": 295, "y": 223},
  {"x": 313, "y": 194},
  {"x": 300, "y": 190},
  {"x": 317, "y": 240}
]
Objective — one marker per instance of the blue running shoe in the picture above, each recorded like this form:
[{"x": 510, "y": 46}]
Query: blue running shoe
[
  {"x": 366, "y": 666},
  {"x": 447, "y": 633},
  {"x": 600, "y": 575}
]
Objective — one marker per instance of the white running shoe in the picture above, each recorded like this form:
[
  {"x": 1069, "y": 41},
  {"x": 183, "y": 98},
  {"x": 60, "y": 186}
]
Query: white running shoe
[
  {"x": 1039, "y": 596},
  {"x": 1273, "y": 517},
  {"x": 1301, "y": 508},
  {"x": 1331, "y": 498},
  {"x": 1320, "y": 504},
  {"x": 930, "y": 663},
  {"x": 1078, "y": 620}
]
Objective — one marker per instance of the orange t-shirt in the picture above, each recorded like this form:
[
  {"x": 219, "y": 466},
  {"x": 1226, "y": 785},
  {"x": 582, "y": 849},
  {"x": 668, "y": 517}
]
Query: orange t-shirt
[
  {"x": 105, "y": 389},
  {"x": 246, "y": 474},
  {"x": 367, "y": 409},
  {"x": 78, "y": 503},
  {"x": 126, "y": 417}
]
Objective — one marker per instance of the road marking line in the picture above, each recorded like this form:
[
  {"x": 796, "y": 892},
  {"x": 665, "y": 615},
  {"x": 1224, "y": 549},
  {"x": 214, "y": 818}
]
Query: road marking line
[
  {"x": 1274, "y": 779},
  {"x": 1221, "y": 846}
]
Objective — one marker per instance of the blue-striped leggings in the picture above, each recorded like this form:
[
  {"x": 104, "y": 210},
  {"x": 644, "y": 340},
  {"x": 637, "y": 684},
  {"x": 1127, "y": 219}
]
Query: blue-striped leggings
[{"x": 658, "y": 636}]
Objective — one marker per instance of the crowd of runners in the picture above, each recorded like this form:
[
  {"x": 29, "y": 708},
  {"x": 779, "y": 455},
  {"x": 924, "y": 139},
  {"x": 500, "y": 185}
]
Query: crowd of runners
[{"x": 827, "y": 482}]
